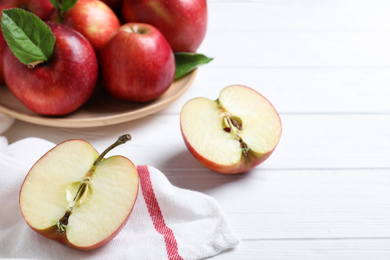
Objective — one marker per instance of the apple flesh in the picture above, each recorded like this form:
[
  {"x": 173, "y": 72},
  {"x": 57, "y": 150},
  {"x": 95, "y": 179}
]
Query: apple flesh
[
  {"x": 137, "y": 63},
  {"x": 232, "y": 134},
  {"x": 93, "y": 19},
  {"x": 183, "y": 23},
  {"x": 60, "y": 85},
  {"x": 74, "y": 196}
]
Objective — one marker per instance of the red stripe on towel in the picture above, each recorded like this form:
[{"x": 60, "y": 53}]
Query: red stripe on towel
[{"x": 156, "y": 215}]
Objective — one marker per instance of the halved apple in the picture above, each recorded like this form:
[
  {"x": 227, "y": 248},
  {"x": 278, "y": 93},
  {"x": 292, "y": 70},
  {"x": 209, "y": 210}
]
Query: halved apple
[
  {"x": 232, "y": 134},
  {"x": 75, "y": 196}
]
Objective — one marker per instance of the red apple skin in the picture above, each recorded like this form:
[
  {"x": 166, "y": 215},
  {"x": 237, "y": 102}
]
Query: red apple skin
[
  {"x": 93, "y": 19},
  {"x": 137, "y": 63},
  {"x": 3, "y": 44},
  {"x": 41, "y": 8},
  {"x": 61, "y": 85},
  {"x": 245, "y": 165},
  {"x": 183, "y": 23}
]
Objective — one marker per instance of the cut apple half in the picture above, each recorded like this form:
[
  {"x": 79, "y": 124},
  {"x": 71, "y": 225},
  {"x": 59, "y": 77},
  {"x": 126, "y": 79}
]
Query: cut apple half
[
  {"x": 232, "y": 134},
  {"x": 76, "y": 197}
]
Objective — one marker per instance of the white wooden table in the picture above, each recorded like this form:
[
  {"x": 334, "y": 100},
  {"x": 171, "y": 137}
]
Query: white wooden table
[{"x": 325, "y": 65}]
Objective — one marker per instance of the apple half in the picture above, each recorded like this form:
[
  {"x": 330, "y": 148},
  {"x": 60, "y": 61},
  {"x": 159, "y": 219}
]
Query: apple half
[
  {"x": 76, "y": 197},
  {"x": 232, "y": 134}
]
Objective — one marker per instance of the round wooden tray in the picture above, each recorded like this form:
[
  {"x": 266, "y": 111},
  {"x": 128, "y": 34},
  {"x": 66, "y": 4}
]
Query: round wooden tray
[{"x": 100, "y": 110}]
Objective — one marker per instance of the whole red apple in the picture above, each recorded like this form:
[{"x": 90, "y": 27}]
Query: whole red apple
[
  {"x": 183, "y": 23},
  {"x": 93, "y": 19},
  {"x": 41, "y": 8},
  {"x": 137, "y": 63},
  {"x": 60, "y": 85}
]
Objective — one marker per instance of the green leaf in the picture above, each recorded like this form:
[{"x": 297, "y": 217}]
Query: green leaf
[
  {"x": 63, "y": 5},
  {"x": 187, "y": 62},
  {"x": 28, "y": 37},
  {"x": 54, "y": 3}
]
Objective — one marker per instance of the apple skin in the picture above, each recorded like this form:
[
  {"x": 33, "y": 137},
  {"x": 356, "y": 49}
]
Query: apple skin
[
  {"x": 248, "y": 162},
  {"x": 41, "y": 8},
  {"x": 183, "y": 23},
  {"x": 3, "y": 44},
  {"x": 93, "y": 19},
  {"x": 137, "y": 63},
  {"x": 61, "y": 85},
  {"x": 245, "y": 166}
]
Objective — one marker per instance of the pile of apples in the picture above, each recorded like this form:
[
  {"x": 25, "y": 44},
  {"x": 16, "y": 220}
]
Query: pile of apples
[{"x": 128, "y": 44}]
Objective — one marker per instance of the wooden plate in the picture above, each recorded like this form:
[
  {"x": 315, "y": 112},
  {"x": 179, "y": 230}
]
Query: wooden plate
[{"x": 100, "y": 110}]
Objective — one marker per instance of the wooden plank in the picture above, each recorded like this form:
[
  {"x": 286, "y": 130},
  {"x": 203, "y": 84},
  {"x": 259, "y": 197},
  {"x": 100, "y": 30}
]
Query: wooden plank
[
  {"x": 308, "y": 249},
  {"x": 259, "y": 15},
  {"x": 291, "y": 204},
  {"x": 300, "y": 90},
  {"x": 291, "y": 49},
  {"x": 309, "y": 141}
]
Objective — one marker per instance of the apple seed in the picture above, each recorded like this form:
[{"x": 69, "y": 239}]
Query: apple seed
[{"x": 233, "y": 125}]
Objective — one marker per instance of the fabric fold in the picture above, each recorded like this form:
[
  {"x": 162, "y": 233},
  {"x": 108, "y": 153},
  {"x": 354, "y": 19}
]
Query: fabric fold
[{"x": 167, "y": 222}]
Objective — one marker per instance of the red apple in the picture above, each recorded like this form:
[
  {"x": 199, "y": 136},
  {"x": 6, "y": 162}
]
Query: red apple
[
  {"x": 60, "y": 85},
  {"x": 137, "y": 63},
  {"x": 232, "y": 134},
  {"x": 183, "y": 23},
  {"x": 41, "y": 8},
  {"x": 74, "y": 196},
  {"x": 93, "y": 19}
]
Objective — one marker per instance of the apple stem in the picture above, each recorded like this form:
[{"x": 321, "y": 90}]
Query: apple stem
[
  {"x": 60, "y": 13},
  {"x": 121, "y": 140},
  {"x": 34, "y": 64}
]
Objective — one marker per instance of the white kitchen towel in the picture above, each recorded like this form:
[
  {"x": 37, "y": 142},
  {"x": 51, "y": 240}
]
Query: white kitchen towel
[{"x": 167, "y": 222}]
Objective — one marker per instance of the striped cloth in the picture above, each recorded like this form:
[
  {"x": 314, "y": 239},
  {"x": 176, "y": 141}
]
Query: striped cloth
[{"x": 167, "y": 222}]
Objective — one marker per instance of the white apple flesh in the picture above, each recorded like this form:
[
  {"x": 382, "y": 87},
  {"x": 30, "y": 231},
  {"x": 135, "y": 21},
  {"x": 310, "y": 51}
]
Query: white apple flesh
[
  {"x": 232, "y": 134},
  {"x": 69, "y": 195}
]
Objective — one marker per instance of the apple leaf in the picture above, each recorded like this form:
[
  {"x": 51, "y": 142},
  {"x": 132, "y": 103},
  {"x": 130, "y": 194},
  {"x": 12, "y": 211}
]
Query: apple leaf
[
  {"x": 187, "y": 62},
  {"x": 63, "y": 5},
  {"x": 28, "y": 37}
]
